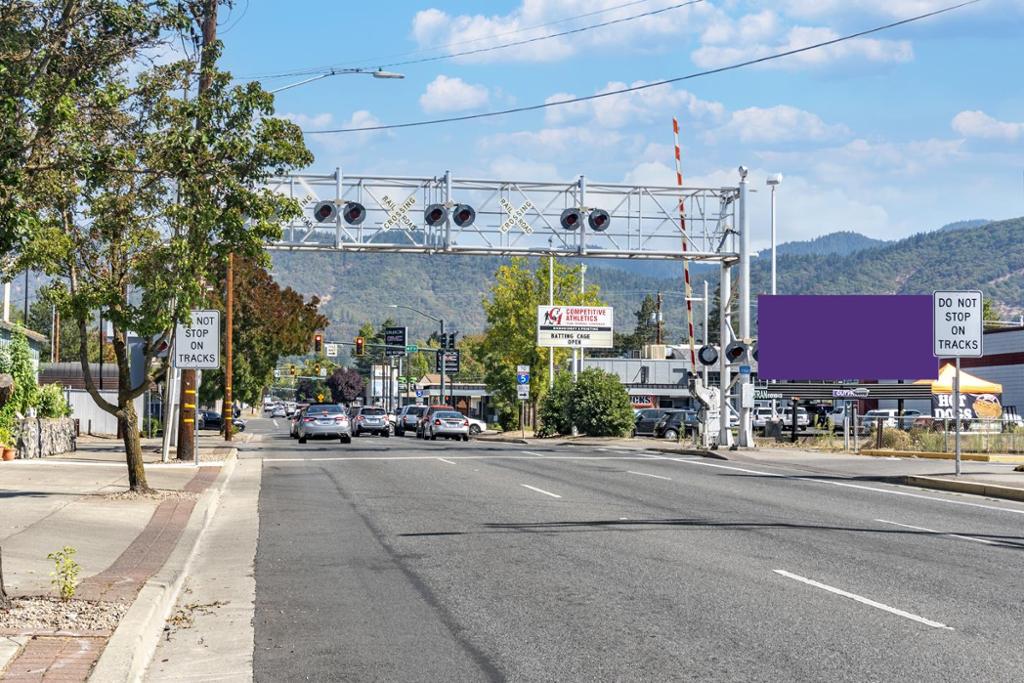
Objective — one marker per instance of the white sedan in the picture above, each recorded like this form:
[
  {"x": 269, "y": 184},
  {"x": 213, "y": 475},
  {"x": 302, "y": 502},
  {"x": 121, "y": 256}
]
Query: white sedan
[{"x": 476, "y": 426}]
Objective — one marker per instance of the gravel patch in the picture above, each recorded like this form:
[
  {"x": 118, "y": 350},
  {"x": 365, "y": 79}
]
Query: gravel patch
[
  {"x": 51, "y": 614},
  {"x": 156, "y": 495}
]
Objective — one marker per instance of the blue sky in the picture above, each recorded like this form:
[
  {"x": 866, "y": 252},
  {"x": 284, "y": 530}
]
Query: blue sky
[{"x": 889, "y": 135}]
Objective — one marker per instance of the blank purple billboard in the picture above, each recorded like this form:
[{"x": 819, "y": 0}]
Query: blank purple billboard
[{"x": 845, "y": 337}]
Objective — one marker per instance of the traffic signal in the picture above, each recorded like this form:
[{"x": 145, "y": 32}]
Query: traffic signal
[
  {"x": 318, "y": 343},
  {"x": 571, "y": 219},
  {"x": 736, "y": 352},
  {"x": 360, "y": 346},
  {"x": 292, "y": 371},
  {"x": 463, "y": 215},
  {"x": 325, "y": 212},
  {"x": 316, "y": 368},
  {"x": 434, "y": 215},
  {"x": 444, "y": 340},
  {"x": 354, "y": 213},
  {"x": 451, "y": 341},
  {"x": 599, "y": 220}
]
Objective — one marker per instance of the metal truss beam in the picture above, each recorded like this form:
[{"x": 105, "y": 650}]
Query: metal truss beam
[{"x": 513, "y": 218}]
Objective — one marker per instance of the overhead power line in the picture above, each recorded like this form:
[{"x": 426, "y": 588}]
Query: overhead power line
[
  {"x": 525, "y": 41},
  {"x": 646, "y": 86},
  {"x": 457, "y": 43}
]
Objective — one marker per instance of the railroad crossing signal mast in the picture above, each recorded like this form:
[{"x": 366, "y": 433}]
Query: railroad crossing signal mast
[{"x": 578, "y": 218}]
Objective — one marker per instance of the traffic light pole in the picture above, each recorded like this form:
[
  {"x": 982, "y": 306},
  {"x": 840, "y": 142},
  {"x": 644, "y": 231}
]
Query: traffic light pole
[
  {"x": 442, "y": 362},
  {"x": 228, "y": 407}
]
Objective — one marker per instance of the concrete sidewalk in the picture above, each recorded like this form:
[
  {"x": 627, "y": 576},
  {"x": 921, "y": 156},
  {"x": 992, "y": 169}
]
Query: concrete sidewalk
[{"x": 80, "y": 500}]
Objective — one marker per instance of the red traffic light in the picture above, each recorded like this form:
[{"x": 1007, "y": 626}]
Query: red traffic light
[
  {"x": 360, "y": 346},
  {"x": 318, "y": 343}
]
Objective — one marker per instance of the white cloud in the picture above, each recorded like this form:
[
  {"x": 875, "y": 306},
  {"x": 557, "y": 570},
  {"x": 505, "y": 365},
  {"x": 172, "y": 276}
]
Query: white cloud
[
  {"x": 308, "y": 121},
  {"x": 874, "y": 50},
  {"x": 548, "y": 142},
  {"x": 641, "y": 106},
  {"x": 509, "y": 167},
  {"x": 978, "y": 124},
  {"x": 781, "y": 123},
  {"x": 433, "y": 27},
  {"x": 446, "y": 94}
]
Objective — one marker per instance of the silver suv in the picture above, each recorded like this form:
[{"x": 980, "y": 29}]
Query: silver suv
[{"x": 408, "y": 418}]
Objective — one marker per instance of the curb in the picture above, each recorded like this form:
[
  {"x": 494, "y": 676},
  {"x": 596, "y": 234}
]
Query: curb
[
  {"x": 495, "y": 439},
  {"x": 973, "y": 457},
  {"x": 129, "y": 651},
  {"x": 957, "y": 486},
  {"x": 714, "y": 455}
]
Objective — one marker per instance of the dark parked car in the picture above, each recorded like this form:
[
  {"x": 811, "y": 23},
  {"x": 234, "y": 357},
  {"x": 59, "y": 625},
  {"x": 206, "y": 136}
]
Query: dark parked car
[
  {"x": 210, "y": 419},
  {"x": 675, "y": 423},
  {"x": 647, "y": 419}
]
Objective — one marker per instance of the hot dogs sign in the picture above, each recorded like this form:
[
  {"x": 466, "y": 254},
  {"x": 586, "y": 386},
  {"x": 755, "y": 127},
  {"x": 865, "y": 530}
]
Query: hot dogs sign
[
  {"x": 972, "y": 406},
  {"x": 575, "y": 326}
]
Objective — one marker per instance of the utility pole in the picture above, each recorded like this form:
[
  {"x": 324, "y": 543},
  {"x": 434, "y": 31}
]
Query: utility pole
[
  {"x": 188, "y": 399},
  {"x": 228, "y": 406}
]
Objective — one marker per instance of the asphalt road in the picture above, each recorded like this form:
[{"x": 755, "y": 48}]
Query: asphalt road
[{"x": 407, "y": 560}]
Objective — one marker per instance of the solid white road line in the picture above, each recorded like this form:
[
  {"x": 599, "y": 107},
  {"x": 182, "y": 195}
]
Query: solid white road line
[
  {"x": 891, "y": 492},
  {"x": 940, "y": 533},
  {"x": 861, "y": 599},
  {"x": 454, "y": 457},
  {"x": 275, "y": 423},
  {"x": 546, "y": 493},
  {"x": 644, "y": 474},
  {"x": 447, "y": 461},
  {"x": 539, "y": 455}
]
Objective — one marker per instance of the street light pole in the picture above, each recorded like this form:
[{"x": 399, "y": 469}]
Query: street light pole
[
  {"x": 436, "y": 320},
  {"x": 774, "y": 181},
  {"x": 379, "y": 73}
]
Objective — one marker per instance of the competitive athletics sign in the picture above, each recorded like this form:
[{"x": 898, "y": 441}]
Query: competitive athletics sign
[{"x": 575, "y": 326}]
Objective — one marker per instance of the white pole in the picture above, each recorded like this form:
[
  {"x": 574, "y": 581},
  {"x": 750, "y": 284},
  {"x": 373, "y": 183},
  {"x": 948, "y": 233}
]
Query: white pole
[
  {"x": 746, "y": 435},
  {"x": 551, "y": 302},
  {"x": 773, "y": 240},
  {"x": 956, "y": 412},
  {"x": 7, "y": 302},
  {"x": 724, "y": 373}
]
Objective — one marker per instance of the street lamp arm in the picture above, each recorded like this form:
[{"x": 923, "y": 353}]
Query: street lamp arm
[
  {"x": 379, "y": 73},
  {"x": 415, "y": 310}
]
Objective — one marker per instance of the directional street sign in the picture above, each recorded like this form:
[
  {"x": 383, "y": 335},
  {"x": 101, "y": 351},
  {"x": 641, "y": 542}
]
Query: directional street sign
[
  {"x": 523, "y": 391},
  {"x": 957, "y": 320},
  {"x": 197, "y": 342},
  {"x": 522, "y": 379},
  {"x": 331, "y": 350},
  {"x": 323, "y": 372},
  {"x": 523, "y": 382}
]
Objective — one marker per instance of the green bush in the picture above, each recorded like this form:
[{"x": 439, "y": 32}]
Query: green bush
[
  {"x": 554, "y": 407},
  {"x": 51, "y": 402},
  {"x": 599, "y": 404}
]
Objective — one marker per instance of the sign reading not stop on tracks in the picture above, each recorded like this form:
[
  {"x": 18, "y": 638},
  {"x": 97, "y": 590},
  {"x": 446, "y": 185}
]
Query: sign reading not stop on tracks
[{"x": 197, "y": 342}]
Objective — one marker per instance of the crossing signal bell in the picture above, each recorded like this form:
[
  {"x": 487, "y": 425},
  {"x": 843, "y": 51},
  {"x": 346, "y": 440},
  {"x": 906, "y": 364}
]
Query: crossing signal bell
[
  {"x": 318, "y": 343},
  {"x": 360, "y": 346}
]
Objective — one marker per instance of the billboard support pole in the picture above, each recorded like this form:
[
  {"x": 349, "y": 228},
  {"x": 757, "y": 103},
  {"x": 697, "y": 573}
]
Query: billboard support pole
[{"x": 956, "y": 413}]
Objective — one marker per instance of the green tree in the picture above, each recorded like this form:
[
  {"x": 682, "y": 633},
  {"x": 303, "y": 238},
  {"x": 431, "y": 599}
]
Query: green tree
[
  {"x": 555, "y": 408},
  {"x": 164, "y": 186},
  {"x": 599, "y": 405},
  {"x": 17, "y": 362},
  {"x": 510, "y": 338},
  {"x": 56, "y": 58},
  {"x": 269, "y": 322}
]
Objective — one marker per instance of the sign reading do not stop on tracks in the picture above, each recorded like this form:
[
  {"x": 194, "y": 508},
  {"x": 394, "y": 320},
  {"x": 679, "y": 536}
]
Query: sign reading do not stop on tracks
[
  {"x": 958, "y": 319},
  {"x": 197, "y": 343}
]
